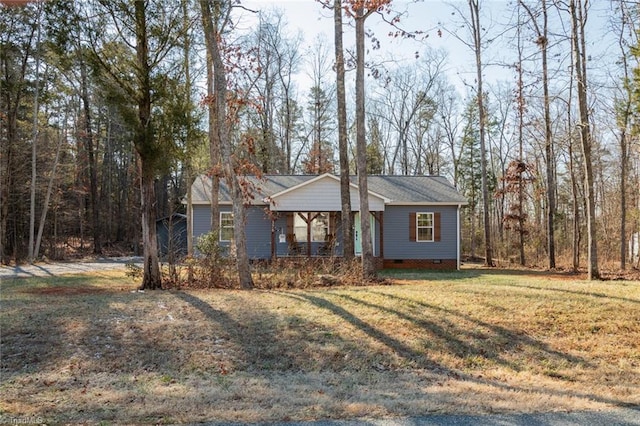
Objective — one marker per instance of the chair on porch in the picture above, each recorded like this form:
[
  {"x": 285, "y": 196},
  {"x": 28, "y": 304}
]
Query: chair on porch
[{"x": 295, "y": 249}]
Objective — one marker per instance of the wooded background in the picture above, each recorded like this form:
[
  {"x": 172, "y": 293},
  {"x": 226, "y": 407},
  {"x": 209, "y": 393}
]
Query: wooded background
[{"x": 77, "y": 115}]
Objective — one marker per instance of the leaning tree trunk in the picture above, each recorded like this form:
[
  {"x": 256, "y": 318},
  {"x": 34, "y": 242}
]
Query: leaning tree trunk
[
  {"x": 36, "y": 110},
  {"x": 45, "y": 205},
  {"x": 228, "y": 166}
]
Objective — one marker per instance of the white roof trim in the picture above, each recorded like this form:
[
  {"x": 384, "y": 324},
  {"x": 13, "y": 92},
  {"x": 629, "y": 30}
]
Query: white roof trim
[{"x": 208, "y": 203}]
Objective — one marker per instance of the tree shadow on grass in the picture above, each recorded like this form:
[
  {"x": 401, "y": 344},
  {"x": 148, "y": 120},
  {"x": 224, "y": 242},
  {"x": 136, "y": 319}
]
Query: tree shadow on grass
[
  {"x": 490, "y": 345},
  {"x": 473, "y": 272},
  {"x": 420, "y": 359},
  {"x": 516, "y": 340},
  {"x": 267, "y": 342},
  {"x": 574, "y": 292}
]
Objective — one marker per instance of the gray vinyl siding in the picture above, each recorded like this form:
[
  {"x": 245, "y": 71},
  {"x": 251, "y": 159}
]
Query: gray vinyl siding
[
  {"x": 396, "y": 233},
  {"x": 397, "y": 244},
  {"x": 258, "y": 229},
  {"x": 202, "y": 220}
]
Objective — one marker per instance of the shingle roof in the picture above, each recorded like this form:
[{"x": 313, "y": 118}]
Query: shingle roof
[
  {"x": 415, "y": 189},
  {"x": 398, "y": 189}
]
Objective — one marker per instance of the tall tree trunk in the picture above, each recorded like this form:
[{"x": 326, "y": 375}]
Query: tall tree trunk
[
  {"x": 34, "y": 146},
  {"x": 152, "y": 278},
  {"x": 343, "y": 148},
  {"x": 575, "y": 207},
  {"x": 45, "y": 206},
  {"x": 543, "y": 42},
  {"x": 190, "y": 136},
  {"x": 548, "y": 143},
  {"x": 228, "y": 164},
  {"x": 12, "y": 100},
  {"x": 476, "y": 30},
  {"x": 576, "y": 236},
  {"x": 214, "y": 139},
  {"x": 624, "y": 115},
  {"x": 89, "y": 148},
  {"x": 520, "y": 111},
  {"x": 624, "y": 160},
  {"x": 578, "y": 21},
  {"x": 368, "y": 265}
]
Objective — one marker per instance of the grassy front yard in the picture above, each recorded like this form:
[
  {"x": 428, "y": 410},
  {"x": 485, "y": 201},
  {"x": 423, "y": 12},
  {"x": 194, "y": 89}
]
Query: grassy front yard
[{"x": 91, "y": 349}]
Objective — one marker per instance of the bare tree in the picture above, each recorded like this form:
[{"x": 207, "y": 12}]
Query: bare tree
[
  {"x": 360, "y": 11},
  {"x": 578, "y": 16},
  {"x": 476, "y": 32},
  {"x": 406, "y": 102},
  {"x": 213, "y": 134},
  {"x": 277, "y": 56},
  {"x": 320, "y": 123},
  {"x": 624, "y": 27},
  {"x": 542, "y": 40},
  {"x": 34, "y": 143},
  {"x": 345, "y": 182},
  {"x": 219, "y": 12}
]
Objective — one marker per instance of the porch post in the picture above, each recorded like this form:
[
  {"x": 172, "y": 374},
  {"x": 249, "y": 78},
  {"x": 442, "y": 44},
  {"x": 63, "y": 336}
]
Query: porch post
[
  {"x": 381, "y": 236},
  {"x": 273, "y": 238},
  {"x": 379, "y": 217},
  {"x": 309, "y": 220}
]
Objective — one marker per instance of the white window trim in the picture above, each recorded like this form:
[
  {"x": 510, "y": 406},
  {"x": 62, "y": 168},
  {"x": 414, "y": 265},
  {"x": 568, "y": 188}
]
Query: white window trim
[
  {"x": 433, "y": 227},
  {"x": 227, "y": 227},
  {"x": 306, "y": 214}
]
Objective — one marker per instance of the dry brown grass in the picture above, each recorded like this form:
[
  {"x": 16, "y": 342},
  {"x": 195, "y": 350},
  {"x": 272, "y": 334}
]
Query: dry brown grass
[{"x": 90, "y": 349}]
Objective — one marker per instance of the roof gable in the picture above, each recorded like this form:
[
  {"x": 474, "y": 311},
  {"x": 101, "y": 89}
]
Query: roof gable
[{"x": 319, "y": 194}]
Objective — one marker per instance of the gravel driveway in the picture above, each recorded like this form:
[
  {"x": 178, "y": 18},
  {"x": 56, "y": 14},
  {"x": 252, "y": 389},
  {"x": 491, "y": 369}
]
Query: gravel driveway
[{"x": 62, "y": 268}]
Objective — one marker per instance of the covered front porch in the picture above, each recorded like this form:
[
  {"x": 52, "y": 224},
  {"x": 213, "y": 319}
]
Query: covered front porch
[{"x": 306, "y": 219}]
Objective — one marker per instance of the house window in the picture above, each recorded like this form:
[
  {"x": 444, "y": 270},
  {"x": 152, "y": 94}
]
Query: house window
[
  {"x": 319, "y": 226},
  {"x": 424, "y": 226},
  {"x": 226, "y": 226}
]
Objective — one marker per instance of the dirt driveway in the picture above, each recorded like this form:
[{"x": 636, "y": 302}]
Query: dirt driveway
[{"x": 62, "y": 268}]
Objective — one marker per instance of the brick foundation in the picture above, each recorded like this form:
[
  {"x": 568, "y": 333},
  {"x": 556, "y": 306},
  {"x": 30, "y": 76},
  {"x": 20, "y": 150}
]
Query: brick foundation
[{"x": 440, "y": 264}]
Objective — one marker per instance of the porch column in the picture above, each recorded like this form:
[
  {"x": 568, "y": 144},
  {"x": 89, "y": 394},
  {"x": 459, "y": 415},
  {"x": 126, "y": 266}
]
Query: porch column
[
  {"x": 381, "y": 221},
  {"x": 273, "y": 239},
  {"x": 379, "y": 217}
]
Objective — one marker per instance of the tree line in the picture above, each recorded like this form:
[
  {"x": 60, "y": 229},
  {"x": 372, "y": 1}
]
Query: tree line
[{"x": 109, "y": 109}]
